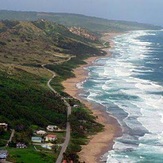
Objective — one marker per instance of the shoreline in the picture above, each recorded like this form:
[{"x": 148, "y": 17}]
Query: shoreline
[{"x": 102, "y": 142}]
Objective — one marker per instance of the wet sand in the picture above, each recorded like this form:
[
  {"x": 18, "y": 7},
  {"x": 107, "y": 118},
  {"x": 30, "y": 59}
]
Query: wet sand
[{"x": 102, "y": 142}]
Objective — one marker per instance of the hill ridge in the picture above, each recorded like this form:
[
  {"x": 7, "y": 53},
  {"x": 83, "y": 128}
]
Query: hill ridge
[{"x": 69, "y": 19}]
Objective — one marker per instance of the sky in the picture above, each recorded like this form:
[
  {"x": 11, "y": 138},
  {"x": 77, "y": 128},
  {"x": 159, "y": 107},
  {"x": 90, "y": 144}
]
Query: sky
[{"x": 143, "y": 11}]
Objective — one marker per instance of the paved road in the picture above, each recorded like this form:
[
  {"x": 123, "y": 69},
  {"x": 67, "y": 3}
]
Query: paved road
[
  {"x": 11, "y": 136},
  {"x": 48, "y": 83},
  {"x": 67, "y": 138},
  {"x": 65, "y": 144}
]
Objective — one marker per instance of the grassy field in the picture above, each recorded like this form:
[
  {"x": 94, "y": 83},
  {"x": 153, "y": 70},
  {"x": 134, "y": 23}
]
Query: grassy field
[{"x": 30, "y": 155}]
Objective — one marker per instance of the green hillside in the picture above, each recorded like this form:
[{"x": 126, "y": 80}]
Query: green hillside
[
  {"x": 40, "y": 42},
  {"x": 91, "y": 23},
  {"x": 26, "y": 103},
  {"x": 31, "y": 43},
  {"x": 25, "y": 100}
]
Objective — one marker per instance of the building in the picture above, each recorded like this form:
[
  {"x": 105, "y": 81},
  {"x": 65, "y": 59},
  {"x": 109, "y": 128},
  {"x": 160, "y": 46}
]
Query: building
[
  {"x": 21, "y": 145},
  {"x": 4, "y": 126},
  {"x": 75, "y": 106},
  {"x": 47, "y": 146},
  {"x": 50, "y": 137},
  {"x": 41, "y": 132},
  {"x": 3, "y": 155},
  {"x": 36, "y": 139},
  {"x": 52, "y": 128}
]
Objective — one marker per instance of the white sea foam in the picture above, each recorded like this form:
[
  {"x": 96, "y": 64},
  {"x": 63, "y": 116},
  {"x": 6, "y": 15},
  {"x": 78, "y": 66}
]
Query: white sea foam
[
  {"x": 148, "y": 86},
  {"x": 155, "y": 139},
  {"x": 117, "y": 82},
  {"x": 115, "y": 158},
  {"x": 150, "y": 149},
  {"x": 80, "y": 85}
]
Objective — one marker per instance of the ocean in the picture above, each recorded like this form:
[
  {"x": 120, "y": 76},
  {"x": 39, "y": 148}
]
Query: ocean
[{"x": 129, "y": 85}]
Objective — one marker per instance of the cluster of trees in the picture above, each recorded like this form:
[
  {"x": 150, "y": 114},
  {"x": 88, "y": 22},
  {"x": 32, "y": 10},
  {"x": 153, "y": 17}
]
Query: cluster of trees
[{"x": 23, "y": 104}]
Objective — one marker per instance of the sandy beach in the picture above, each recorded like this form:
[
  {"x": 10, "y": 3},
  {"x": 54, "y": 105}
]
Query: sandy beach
[{"x": 102, "y": 142}]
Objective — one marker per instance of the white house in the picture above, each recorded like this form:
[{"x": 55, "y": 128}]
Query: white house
[
  {"x": 4, "y": 126},
  {"x": 50, "y": 137},
  {"x": 3, "y": 154},
  {"x": 40, "y": 132},
  {"x": 21, "y": 145},
  {"x": 52, "y": 128}
]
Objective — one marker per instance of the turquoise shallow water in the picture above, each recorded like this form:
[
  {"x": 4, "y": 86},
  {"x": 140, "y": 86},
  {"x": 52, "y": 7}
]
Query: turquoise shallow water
[{"x": 130, "y": 86}]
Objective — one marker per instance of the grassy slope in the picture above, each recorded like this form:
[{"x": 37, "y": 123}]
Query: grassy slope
[
  {"x": 39, "y": 42},
  {"x": 25, "y": 101},
  {"x": 91, "y": 23},
  {"x": 24, "y": 46},
  {"x": 30, "y": 155}
]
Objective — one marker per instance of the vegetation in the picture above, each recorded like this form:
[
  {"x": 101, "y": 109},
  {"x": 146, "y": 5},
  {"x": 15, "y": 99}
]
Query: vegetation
[
  {"x": 83, "y": 124},
  {"x": 21, "y": 97},
  {"x": 25, "y": 46},
  {"x": 30, "y": 155},
  {"x": 26, "y": 103},
  {"x": 64, "y": 71},
  {"x": 4, "y": 137},
  {"x": 40, "y": 42}
]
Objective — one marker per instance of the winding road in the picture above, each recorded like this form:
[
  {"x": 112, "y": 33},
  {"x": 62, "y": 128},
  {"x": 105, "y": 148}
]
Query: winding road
[{"x": 67, "y": 138}]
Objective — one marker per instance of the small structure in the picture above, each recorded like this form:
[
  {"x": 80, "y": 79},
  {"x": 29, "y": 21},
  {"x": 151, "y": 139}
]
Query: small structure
[
  {"x": 21, "y": 145},
  {"x": 47, "y": 146},
  {"x": 75, "y": 106},
  {"x": 3, "y": 155},
  {"x": 52, "y": 128},
  {"x": 50, "y": 137},
  {"x": 4, "y": 126},
  {"x": 41, "y": 132},
  {"x": 36, "y": 139}
]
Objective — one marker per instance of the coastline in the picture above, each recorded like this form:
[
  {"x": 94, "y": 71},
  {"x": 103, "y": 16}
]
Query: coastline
[{"x": 102, "y": 142}]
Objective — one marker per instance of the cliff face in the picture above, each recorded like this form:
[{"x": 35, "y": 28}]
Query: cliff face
[{"x": 83, "y": 33}]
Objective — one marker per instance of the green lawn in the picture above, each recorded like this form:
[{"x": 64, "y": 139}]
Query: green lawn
[
  {"x": 60, "y": 137},
  {"x": 29, "y": 155}
]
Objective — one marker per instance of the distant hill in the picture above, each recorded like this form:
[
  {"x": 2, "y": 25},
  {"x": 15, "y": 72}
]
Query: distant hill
[
  {"x": 40, "y": 42},
  {"x": 91, "y": 23}
]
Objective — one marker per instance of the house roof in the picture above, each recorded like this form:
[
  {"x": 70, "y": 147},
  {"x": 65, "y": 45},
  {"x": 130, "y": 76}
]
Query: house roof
[
  {"x": 48, "y": 144},
  {"x": 3, "y": 124},
  {"x": 3, "y": 154},
  {"x": 36, "y": 138},
  {"x": 51, "y": 126},
  {"x": 51, "y": 136},
  {"x": 40, "y": 131}
]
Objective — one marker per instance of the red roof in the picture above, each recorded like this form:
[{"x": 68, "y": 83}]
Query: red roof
[{"x": 51, "y": 136}]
